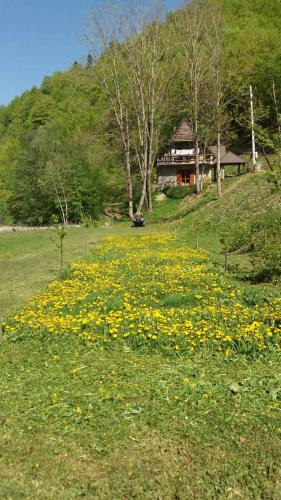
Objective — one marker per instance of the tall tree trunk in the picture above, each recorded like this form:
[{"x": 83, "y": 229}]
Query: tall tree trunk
[
  {"x": 150, "y": 132},
  {"x": 276, "y": 110},
  {"x": 145, "y": 166},
  {"x": 143, "y": 197},
  {"x": 146, "y": 201},
  {"x": 197, "y": 165},
  {"x": 218, "y": 163},
  {"x": 129, "y": 185},
  {"x": 203, "y": 166},
  {"x": 149, "y": 191}
]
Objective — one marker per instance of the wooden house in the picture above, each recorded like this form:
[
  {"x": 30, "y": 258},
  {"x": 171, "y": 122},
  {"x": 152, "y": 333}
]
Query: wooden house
[{"x": 176, "y": 162}]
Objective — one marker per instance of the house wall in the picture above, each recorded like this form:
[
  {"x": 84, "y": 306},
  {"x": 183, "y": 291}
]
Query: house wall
[{"x": 167, "y": 175}]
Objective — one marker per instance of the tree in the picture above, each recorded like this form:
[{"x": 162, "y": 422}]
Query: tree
[
  {"x": 103, "y": 38},
  {"x": 133, "y": 59},
  {"x": 90, "y": 61},
  {"x": 192, "y": 29},
  {"x": 221, "y": 93},
  {"x": 219, "y": 80},
  {"x": 151, "y": 70}
]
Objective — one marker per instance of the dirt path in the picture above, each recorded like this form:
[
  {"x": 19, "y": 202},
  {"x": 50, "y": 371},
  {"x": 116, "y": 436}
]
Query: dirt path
[{"x": 11, "y": 229}]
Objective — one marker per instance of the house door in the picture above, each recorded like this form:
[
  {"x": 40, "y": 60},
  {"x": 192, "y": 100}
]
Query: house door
[
  {"x": 179, "y": 179},
  {"x": 183, "y": 178}
]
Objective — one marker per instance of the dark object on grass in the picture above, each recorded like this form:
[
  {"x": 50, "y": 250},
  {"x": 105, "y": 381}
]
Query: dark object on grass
[{"x": 138, "y": 220}]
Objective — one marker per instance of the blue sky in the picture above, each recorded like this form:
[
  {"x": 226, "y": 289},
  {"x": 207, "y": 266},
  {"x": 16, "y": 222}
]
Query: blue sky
[{"x": 38, "y": 37}]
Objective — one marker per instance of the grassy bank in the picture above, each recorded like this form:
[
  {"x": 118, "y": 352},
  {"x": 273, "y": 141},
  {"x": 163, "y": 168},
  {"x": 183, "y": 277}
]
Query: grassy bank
[{"x": 207, "y": 221}]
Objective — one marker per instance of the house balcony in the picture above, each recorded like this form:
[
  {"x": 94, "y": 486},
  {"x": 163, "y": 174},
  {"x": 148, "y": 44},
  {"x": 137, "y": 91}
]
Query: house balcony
[{"x": 176, "y": 159}]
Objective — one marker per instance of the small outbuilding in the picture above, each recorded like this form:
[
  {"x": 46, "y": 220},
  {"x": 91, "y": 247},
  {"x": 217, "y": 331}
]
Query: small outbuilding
[{"x": 231, "y": 159}]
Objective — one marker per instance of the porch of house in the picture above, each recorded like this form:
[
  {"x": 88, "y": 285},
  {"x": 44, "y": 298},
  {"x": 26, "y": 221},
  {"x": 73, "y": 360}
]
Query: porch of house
[{"x": 184, "y": 159}]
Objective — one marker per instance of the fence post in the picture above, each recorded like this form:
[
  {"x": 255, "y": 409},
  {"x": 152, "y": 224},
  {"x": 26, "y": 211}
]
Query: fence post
[{"x": 225, "y": 261}]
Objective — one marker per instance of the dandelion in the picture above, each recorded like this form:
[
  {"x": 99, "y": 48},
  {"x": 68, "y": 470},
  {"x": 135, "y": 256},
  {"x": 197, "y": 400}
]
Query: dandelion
[{"x": 153, "y": 290}]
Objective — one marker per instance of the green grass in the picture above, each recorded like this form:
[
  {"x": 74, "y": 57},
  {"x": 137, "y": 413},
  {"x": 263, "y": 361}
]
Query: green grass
[
  {"x": 126, "y": 425},
  {"x": 78, "y": 421},
  {"x": 163, "y": 209},
  {"x": 30, "y": 259}
]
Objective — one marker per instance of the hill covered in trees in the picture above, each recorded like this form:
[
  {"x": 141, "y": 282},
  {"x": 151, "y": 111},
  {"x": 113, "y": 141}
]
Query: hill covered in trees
[{"x": 61, "y": 152}]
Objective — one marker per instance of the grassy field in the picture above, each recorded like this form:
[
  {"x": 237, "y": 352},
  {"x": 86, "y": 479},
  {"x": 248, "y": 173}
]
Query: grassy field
[
  {"x": 121, "y": 404},
  {"x": 145, "y": 371},
  {"x": 118, "y": 425},
  {"x": 29, "y": 260}
]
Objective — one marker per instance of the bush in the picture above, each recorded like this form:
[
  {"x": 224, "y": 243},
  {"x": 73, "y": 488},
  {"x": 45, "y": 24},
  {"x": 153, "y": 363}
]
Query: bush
[{"x": 179, "y": 192}]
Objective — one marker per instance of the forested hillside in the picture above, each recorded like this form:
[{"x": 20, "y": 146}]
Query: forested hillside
[
  {"x": 60, "y": 147},
  {"x": 61, "y": 123}
]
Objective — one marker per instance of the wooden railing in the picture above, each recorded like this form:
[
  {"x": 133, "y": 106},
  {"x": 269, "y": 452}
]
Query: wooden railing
[{"x": 169, "y": 159}]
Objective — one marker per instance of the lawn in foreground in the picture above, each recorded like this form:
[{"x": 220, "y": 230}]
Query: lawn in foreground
[
  {"x": 142, "y": 374},
  {"x": 122, "y": 424}
]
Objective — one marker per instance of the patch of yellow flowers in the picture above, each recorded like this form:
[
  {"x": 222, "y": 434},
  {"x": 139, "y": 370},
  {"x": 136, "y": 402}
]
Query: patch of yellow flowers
[{"x": 150, "y": 290}]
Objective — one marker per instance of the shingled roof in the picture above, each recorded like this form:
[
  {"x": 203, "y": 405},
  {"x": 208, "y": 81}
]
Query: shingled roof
[
  {"x": 182, "y": 133},
  {"x": 214, "y": 150},
  {"x": 231, "y": 159}
]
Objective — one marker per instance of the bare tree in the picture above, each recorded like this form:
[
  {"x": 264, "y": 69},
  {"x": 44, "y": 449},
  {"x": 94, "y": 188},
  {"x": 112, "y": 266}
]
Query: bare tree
[
  {"x": 151, "y": 72},
  {"x": 192, "y": 29},
  {"x": 53, "y": 171},
  {"x": 219, "y": 77},
  {"x": 133, "y": 60},
  {"x": 104, "y": 36},
  {"x": 56, "y": 172}
]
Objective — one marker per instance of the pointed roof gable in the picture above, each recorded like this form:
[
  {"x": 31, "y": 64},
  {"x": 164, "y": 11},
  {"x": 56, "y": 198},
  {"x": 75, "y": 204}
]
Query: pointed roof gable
[{"x": 182, "y": 133}]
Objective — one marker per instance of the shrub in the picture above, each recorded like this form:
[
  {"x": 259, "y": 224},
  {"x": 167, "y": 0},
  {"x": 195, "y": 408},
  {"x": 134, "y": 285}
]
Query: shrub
[{"x": 179, "y": 192}]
